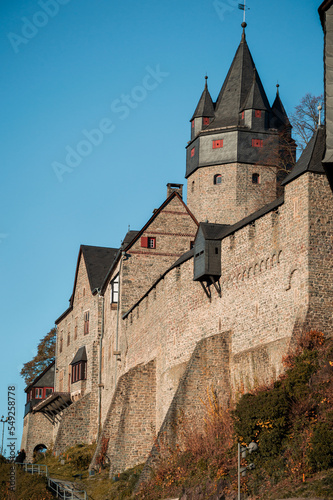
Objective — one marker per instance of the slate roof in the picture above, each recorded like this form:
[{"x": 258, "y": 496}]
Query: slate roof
[
  {"x": 236, "y": 87},
  {"x": 278, "y": 109},
  {"x": 256, "y": 98},
  {"x": 213, "y": 231},
  {"x": 205, "y": 105},
  {"x": 81, "y": 355},
  {"x": 98, "y": 261},
  {"x": 311, "y": 158},
  {"x": 48, "y": 380}
]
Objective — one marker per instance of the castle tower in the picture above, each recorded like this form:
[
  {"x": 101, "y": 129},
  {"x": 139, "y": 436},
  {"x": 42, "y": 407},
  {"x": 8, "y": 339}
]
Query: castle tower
[{"x": 229, "y": 158}]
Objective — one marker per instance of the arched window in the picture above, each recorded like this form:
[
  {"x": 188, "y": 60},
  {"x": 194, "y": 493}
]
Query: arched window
[
  {"x": 217, "y": 179},
  {"x": 255, "y": 178}
]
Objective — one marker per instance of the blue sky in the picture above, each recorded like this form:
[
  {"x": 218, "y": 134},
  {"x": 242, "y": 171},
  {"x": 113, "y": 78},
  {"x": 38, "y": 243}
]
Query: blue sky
[{"x": 134, "y": 71}]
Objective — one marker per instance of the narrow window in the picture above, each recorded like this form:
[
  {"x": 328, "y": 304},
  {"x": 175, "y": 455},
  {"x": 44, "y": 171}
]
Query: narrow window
[
  {"x": 218, "y": 144},
  {"x": 83, "y": 292},
  {"x": 68, "y": 337},
  {"x": 61, "y": 342},
  {"x": 38, "y": 393},
  {"x": 79, "y": 371},
  {"x": 243, "y": 114},
  {"x": 192, "y": 152},
  {"x": 206, "y": 121},
  {"x": 257, "y": 113},
  {"x": 192, "y": 123},
  {"x": 192, "y": 187},
  {"x": 257, "y": 143},
  {"x": 114, "y": 290},
  {"x": 255, "y": 178},
  {"x": 86, "y": 323},
  {"x": 151, "y": 242},
  {"x": 217, "y": 179},
  {"x": 75, "y": 329},
  {"x": 48, "y": 391}
]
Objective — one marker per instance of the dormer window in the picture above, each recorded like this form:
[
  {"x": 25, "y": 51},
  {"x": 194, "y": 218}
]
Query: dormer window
[
  {"x": 257, "y": 143},
  {"x": 205, "y": 121},
  {"x": 257, "y": 113},
  {"x": 218, "y": 144},
  {"x": 217, "y": 179}
]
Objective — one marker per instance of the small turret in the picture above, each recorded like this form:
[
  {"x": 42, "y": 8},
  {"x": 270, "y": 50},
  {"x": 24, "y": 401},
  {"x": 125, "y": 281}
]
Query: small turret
[
  {"x": 255, "y": 112},
  {"x": 203, "y": 113}
]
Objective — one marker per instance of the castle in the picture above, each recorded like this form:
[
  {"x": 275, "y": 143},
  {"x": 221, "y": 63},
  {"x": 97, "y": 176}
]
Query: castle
[{"x": 208, "y": 294}]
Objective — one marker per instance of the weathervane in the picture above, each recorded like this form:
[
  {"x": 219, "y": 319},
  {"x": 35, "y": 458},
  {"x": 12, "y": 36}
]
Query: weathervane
[{"x": 242, "y": 6}]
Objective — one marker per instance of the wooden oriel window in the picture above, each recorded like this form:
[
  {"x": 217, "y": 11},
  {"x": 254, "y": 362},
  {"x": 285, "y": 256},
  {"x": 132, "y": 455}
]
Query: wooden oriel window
[
  {"x": 38, "y": 393},
  {"x": 79, "y": 371},
  {"x": 257, "y": 143},
  {"x": 218, "y": 144},
  {"x": 86, "y": 323}
]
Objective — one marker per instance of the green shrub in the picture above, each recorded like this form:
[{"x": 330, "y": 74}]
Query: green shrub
[{"x": 321, "y": 450}]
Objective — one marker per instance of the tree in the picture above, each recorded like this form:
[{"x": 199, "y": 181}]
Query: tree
[
  {"x": 305, "y": 119},
  {"x": 45, "y": 355}
]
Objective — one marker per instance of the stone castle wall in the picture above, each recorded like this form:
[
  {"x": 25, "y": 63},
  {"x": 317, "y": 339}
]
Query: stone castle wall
[
  {"x": 236, "y": 195},
  {"x": 37, "y": 430}
]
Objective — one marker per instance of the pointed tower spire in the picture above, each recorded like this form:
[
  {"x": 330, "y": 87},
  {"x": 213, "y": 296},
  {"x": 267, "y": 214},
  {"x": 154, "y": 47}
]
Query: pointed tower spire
[
  {"x": 280, "y": 117},
  {"x": 205, "y": 107}
]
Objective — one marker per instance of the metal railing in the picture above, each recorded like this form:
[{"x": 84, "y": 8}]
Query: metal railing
[
  {"x": 39, "y": 469},
  {"x": 62, "y": 490},
  {"x": 65, "y": 491}
]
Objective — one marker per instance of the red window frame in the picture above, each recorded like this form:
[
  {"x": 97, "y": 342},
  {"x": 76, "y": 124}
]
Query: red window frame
[
  {"x": 257, "y": 113},
  {"x": 218, "y": 143},
  {"x": 243, "y": 114},
  {"x": 257, "y": 143},
  {"x": 192, "y": 152},
  {"x": 38, "y": 392},
  {"x": 151, "y": 242},
  {"x": 205, "y": 120},
  {"x": 192, "y": 123}
]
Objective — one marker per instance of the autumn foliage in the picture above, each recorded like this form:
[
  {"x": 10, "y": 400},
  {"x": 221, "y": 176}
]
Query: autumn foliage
[{"x": 45, "y": 355}]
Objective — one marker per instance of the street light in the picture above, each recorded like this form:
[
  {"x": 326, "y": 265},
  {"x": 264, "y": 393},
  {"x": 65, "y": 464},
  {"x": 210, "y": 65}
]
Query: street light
[
  {"x": 242, "y": 450},
  {"x": 3, "y": 430}
]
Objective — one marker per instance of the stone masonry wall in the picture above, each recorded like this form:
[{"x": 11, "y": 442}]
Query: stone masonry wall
[
  {"x": 71, "y": 330},
  {"x": 130, "y": 422},
  {"x": 264, "y": 301},
  {"x": 75, "y": 425},
  {"x": 37, "y": 429},
  {"x": 235, "y": 197}
]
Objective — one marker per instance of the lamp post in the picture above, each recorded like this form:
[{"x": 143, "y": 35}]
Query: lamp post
[
  {"x": 3, "y": 430},
  {"x": 242, "y": 470}
]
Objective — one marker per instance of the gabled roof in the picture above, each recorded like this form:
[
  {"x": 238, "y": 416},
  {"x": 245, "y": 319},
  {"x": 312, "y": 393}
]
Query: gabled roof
[
  {"x": 97, "y": 260},
  {"x": 138, "y": 234},
  {"x": 278, "y": 109},
  {"x": 311, "y": 158},
  {"x": 236, "y": 87},
  {"x": 205, "y": 105},
  {"x": 34, "y": 382},
  {"x": 256, "y": 98}
]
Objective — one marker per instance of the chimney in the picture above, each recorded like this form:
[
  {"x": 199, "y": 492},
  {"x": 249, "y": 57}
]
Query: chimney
[{"x": 171, "y": 188}]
